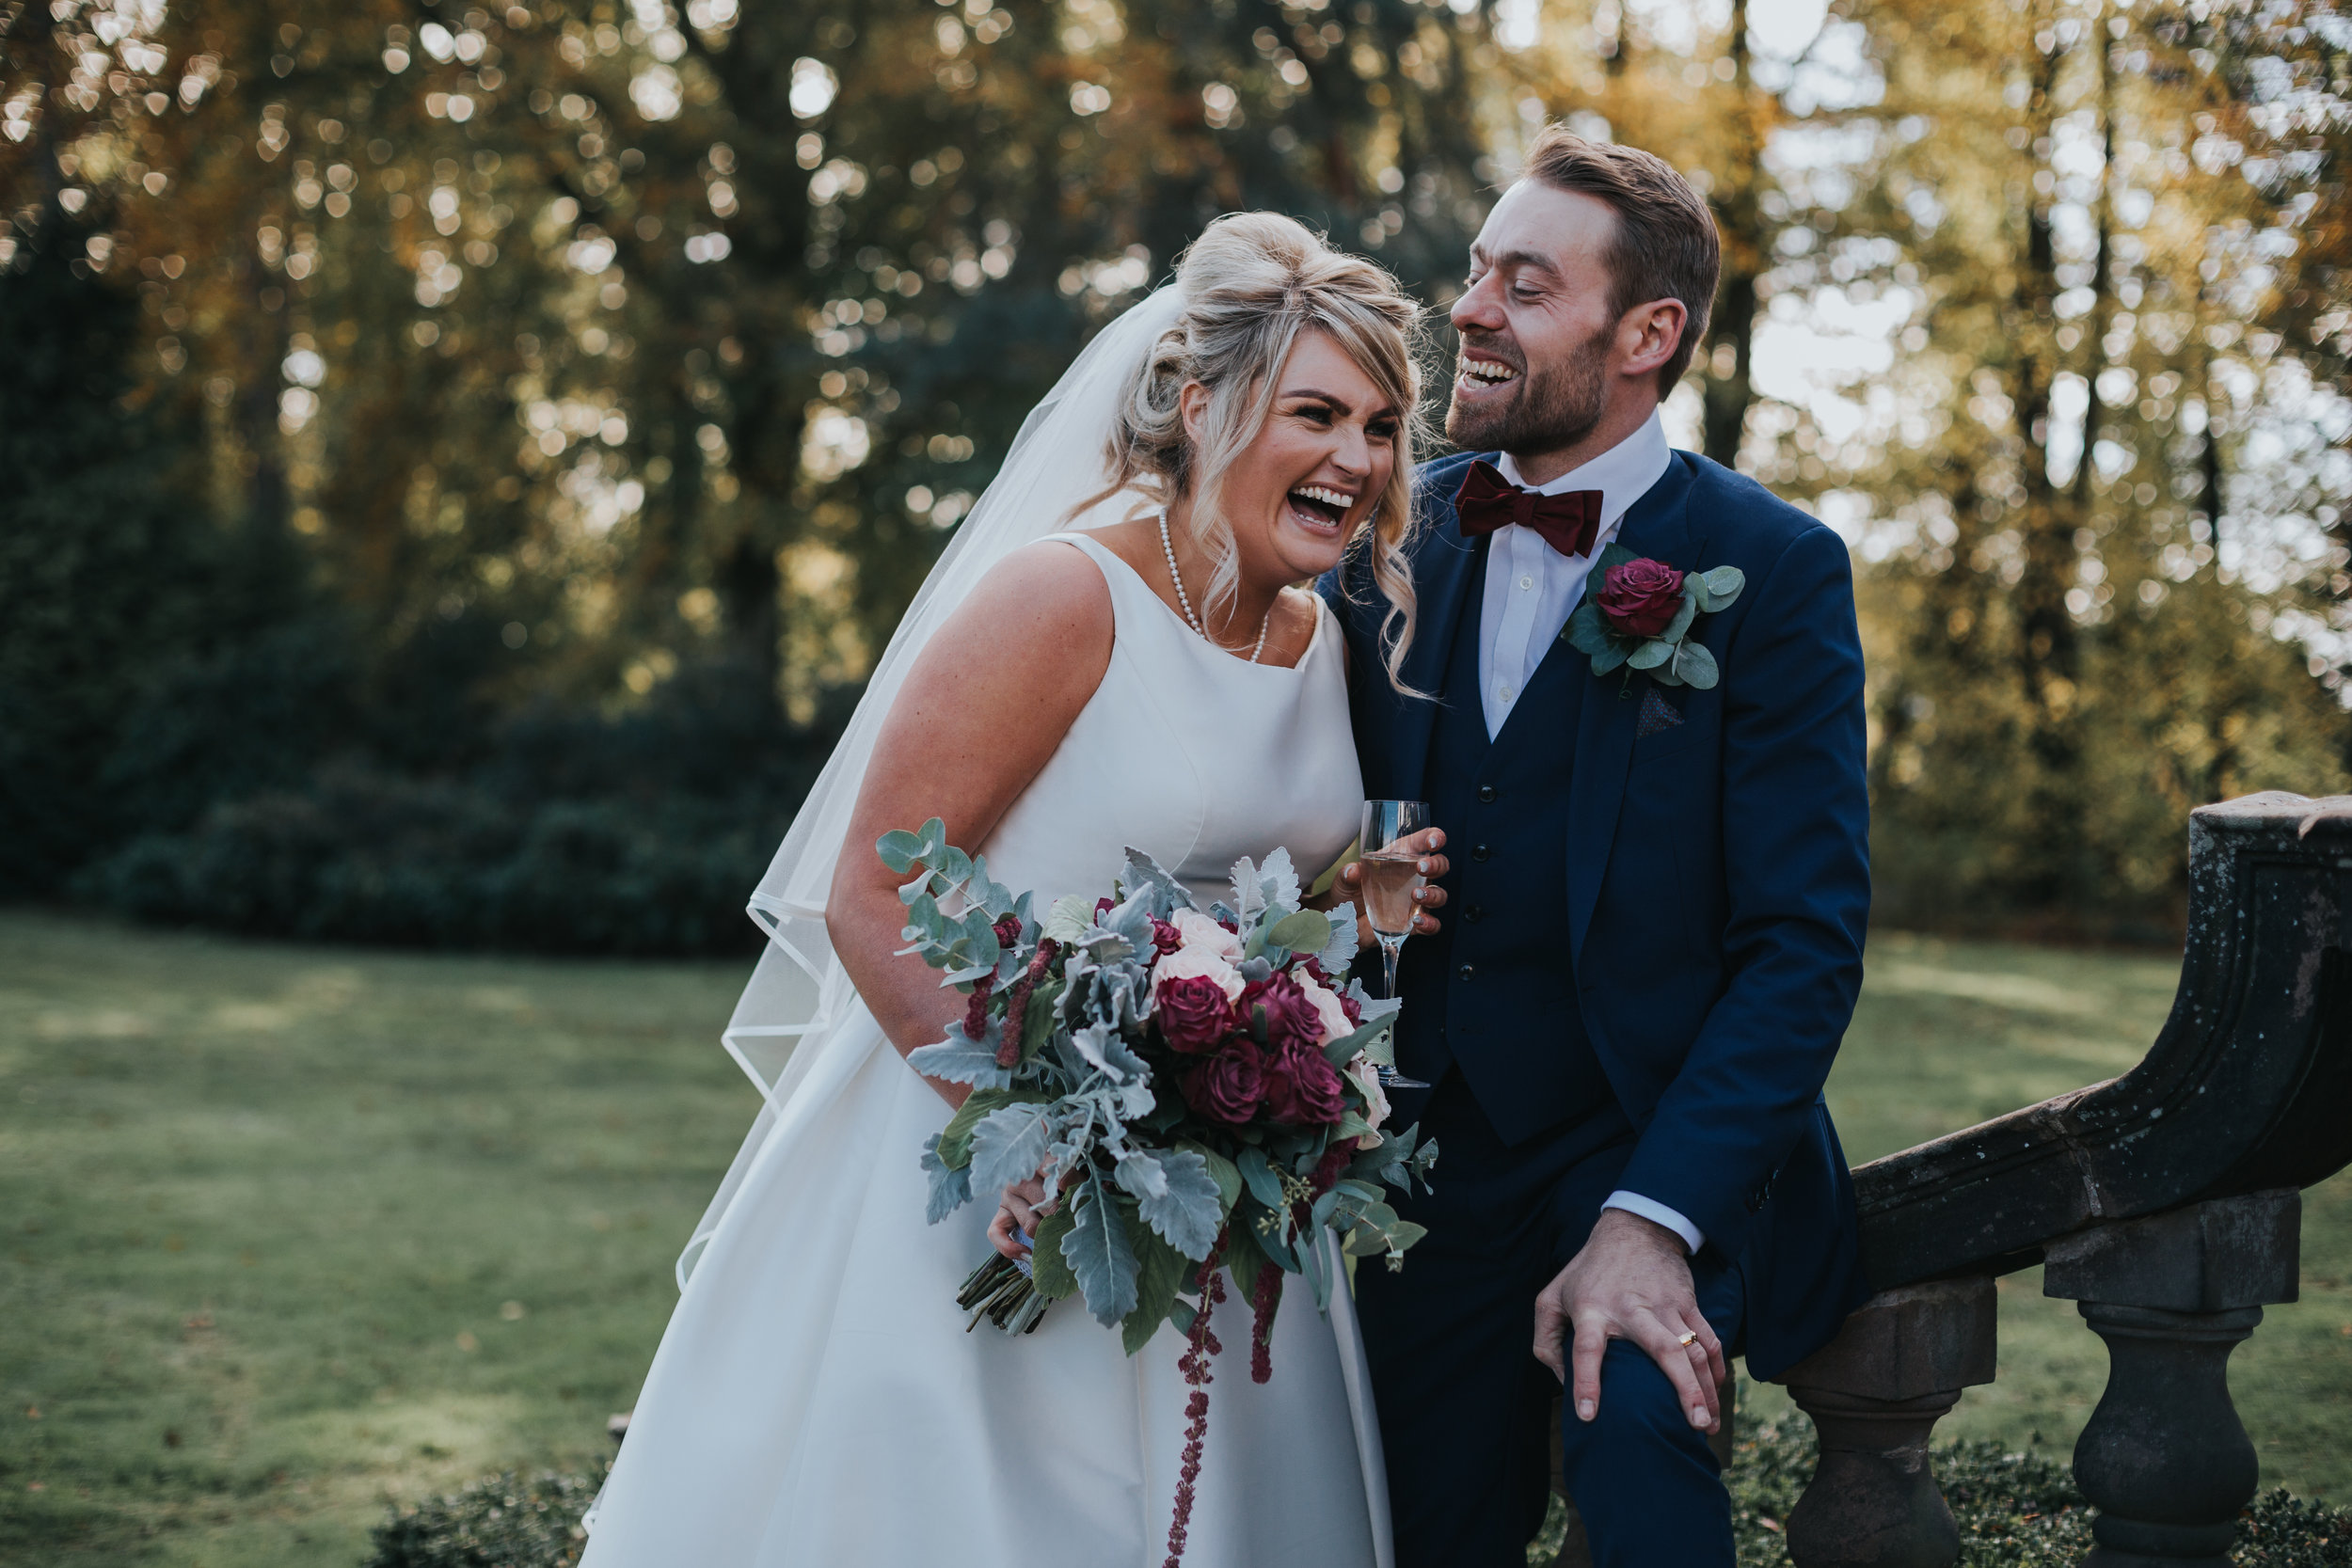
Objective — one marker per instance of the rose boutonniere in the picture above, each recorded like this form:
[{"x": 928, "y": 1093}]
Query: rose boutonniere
[{"x": 1640, "y": 618}]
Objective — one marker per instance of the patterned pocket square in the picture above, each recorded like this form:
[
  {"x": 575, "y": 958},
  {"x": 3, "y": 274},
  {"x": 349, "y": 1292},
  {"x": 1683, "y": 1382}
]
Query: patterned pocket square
[{"x": 1657, "y": 714}]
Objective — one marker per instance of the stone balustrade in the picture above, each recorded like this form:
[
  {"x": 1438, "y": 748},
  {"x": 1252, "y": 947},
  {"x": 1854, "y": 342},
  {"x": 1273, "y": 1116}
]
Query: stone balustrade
[{"x": 2164, "y": 1202}]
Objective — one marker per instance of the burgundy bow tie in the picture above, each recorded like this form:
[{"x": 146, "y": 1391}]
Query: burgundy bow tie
[{"x": 1569, "y": 522}]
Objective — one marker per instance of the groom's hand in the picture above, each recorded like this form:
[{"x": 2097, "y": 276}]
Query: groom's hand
[
  {"x": 1632, "y": 1281},
  {"x": 1434, "y": 866}
]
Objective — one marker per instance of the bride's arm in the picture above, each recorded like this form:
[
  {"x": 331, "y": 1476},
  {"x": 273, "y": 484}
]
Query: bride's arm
[{"x": 983, "y": 710}]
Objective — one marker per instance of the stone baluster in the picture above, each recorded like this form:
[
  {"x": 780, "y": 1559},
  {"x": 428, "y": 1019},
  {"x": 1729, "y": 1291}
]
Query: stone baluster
[
  {"x": 1875, "y": 1393},
  {"x": 2164, "y": 1457}
]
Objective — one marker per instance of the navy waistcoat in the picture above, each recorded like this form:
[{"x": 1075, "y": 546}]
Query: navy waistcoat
[{"x": 1494, "y": 992}]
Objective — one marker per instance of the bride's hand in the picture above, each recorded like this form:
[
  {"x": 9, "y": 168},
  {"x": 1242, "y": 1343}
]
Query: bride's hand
[
  {"x": 1434, "y": 866},
  {"x": 1020, "y": 1205}
]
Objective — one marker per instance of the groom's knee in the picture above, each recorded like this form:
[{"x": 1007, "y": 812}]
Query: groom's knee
[{"x": 1640, "y": 1414}]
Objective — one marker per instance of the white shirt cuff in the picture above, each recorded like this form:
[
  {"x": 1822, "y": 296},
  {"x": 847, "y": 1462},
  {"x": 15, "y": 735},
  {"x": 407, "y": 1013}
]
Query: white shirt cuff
[{"x": 1657, "y": 1213}]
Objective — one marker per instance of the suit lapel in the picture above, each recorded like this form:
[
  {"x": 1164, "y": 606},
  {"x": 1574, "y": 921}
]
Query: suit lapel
[
  {"x": 1441, "y": 579},
  {"x": 1659, "y": 526}
]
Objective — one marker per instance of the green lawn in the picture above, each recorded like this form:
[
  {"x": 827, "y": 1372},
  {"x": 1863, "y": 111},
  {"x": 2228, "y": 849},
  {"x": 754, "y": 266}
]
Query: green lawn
[{"x": 296, "y": 1232}]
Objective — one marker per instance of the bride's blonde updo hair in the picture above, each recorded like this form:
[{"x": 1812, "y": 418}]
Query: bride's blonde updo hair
[{"x": 1250, "y": 284}]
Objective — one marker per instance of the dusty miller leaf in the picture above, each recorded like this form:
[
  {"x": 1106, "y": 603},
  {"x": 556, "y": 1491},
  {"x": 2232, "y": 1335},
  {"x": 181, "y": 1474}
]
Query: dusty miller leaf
[
  {"x": 1099, "y": 1253},
  {"x": 960, "y": 1059},
  {"x": 952, "y": 1186},
  {"x": 1009, "y": 1146},
  {"x": 1145, "y": 874},
  {"x": 1177, "y": 1196}
]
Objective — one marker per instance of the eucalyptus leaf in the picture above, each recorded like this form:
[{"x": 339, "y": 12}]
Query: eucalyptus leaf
[
  {"x": 1697, "y": 666},
  {"x": 1650, "y": 655},
  {"x": 1099, "y": 1253},
  {"x": 1686, "y": 614},
  {"x": 1260, "y": 1178},
  {"x": 1587, "y": 630},
  {"x": 1723, "y": 585},
  {"x": 1304, "y": 931},
  {"x": 899, "y": 849},
  {"x": 1610, "y": 657},
  {"x": 1612, "y": 554}
]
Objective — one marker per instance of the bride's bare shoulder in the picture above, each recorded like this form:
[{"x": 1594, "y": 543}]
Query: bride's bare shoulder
[{"x": 1046, "y": 597}]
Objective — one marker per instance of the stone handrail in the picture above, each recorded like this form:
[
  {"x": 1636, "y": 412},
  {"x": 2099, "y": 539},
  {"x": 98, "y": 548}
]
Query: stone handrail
[
  {"x": 2246, "y": 1089},
  {"x": 2164, "y": 1202}
]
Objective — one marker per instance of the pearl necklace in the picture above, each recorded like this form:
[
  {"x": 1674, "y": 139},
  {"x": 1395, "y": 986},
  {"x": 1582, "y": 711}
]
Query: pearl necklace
[{"x": 1184, "y": 599}]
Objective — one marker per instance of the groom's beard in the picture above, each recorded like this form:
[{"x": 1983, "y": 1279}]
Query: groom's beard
[{"x": 1554, "y": 406}]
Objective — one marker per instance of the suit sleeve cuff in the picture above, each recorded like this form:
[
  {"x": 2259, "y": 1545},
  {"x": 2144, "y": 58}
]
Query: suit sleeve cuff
[{"x": 1657, "y": 1213}]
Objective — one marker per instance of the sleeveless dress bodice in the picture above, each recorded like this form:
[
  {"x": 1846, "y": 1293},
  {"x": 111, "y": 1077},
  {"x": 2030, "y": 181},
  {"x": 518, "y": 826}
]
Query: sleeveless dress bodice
[
  {"x": 817, "y": 1400},
  {"x": 1189, "y": 753}
]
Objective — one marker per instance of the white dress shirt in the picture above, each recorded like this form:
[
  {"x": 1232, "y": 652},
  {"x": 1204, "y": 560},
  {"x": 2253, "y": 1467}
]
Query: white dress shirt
[{"x": 1531, "y": 588}]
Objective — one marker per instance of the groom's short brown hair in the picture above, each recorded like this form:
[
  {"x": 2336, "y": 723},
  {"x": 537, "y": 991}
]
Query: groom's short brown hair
[{"x": 1666, "y": 246}]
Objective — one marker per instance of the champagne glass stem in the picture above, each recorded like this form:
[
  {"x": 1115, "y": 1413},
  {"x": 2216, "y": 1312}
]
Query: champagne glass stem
[{"x": 1389, "y": 948}]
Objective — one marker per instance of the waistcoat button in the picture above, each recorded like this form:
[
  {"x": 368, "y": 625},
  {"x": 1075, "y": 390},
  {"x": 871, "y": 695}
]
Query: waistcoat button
[
  {"x": 1476, "y": 914},
  {"x": 1480, "y": 853},
  {"x": 1465, "y": 972},
  {"x": 1485, "y": 792}
]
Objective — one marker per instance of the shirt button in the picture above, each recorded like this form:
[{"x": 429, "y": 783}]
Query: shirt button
[
  {"x": 1465, "y": 972},
  {"x": 1479, "y": 853},
  {"x": 1526, "y": 581},
  {"x": 1486, "y": 793},
  {"x": 1503, "y": 689}
]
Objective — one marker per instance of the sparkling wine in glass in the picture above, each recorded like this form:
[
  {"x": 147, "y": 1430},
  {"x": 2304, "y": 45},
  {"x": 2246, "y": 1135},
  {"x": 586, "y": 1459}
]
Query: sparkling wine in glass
[{"x": 1390, "y": 878}]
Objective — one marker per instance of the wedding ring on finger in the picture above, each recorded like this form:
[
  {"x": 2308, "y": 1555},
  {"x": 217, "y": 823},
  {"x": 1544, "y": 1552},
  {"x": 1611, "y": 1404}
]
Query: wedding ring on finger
[{"x": 1686, "y": 1341}]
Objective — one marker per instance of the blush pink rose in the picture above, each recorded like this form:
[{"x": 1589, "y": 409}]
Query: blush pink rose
[
  {"x": 1198, "y": 930},
  {"x": 1188, "y": 963},
  {"x": 1326, "y": 1006}
]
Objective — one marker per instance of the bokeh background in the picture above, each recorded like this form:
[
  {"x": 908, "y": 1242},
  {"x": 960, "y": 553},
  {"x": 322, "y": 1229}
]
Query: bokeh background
[{"x": 458, "y": 463}]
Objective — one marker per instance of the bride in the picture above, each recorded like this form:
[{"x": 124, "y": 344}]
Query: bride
[{"x": 1154, "y": 678}]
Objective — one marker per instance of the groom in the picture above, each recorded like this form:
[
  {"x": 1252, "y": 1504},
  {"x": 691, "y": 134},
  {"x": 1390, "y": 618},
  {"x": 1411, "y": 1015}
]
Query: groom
[{"x": 1656, "y": 895}]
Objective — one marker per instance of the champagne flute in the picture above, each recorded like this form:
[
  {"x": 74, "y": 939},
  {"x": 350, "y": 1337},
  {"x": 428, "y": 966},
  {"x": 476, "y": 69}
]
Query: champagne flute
[{"x": 1392, "y": 877}]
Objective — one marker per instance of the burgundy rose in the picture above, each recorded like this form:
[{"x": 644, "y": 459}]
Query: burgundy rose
[
  {"x": 1194, "y": 1015},
  {"x": 1228, "y": 1087},
  {"x": 1640, "y": 598},
  {"x": 1301, "y": 1088},
  {"x": 1165, "y": 938},
  {"x": 1286, "y": 1015}
]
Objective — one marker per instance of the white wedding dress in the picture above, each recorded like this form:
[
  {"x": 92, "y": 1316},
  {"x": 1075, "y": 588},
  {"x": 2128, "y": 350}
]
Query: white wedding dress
[{"x": 817, "y": 1400}]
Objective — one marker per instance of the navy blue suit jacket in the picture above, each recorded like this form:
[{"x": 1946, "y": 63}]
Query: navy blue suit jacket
[{"x": 1717, "y": 878}]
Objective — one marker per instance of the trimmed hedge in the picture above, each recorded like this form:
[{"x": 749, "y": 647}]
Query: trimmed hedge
[
  {"x": 369, "y": 856},
  {"x": 2015, "y": 1511},
  {"x": 504, "y": 1522}
]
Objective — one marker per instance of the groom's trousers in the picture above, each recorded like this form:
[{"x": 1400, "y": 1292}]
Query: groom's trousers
[{"x": 1464, "y": 1404}]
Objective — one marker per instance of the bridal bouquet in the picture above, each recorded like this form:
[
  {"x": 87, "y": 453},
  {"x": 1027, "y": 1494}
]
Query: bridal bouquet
[
  {"x": 1200, "y": 1090},
  {"x": 1197, "y": 1086}
]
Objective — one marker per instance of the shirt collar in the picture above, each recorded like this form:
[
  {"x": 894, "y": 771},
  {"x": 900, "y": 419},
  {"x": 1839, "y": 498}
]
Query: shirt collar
[{"x": 1623, "y": 474}]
